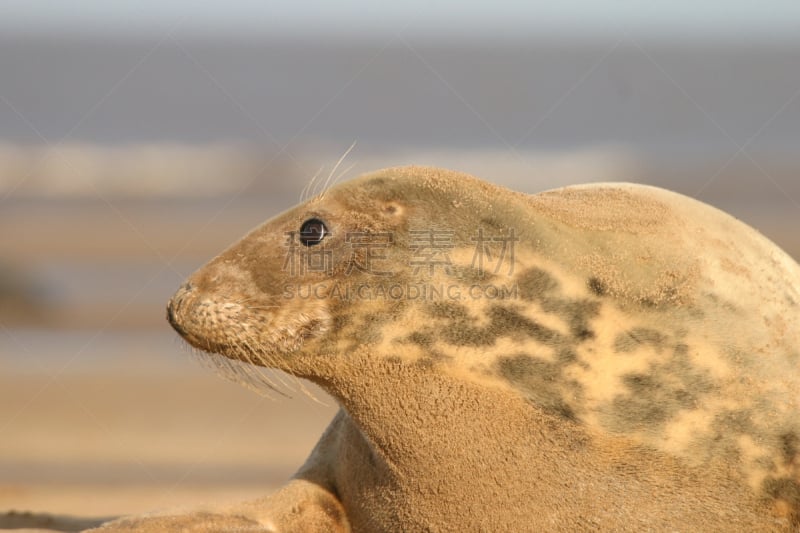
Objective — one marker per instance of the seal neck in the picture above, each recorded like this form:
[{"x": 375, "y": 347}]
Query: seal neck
[{"x": 407, "y": 411}]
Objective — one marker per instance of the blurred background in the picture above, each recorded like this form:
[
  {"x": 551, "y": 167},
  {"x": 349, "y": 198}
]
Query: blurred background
[{"x": 138, "y": 139}]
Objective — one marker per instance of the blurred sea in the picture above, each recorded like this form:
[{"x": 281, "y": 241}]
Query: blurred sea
[{"x": 696, "y": 97}]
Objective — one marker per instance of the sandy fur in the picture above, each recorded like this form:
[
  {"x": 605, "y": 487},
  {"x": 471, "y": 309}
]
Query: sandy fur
[{"x": 637, "y": 370}]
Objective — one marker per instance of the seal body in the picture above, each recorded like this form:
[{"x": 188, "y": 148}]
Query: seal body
[{"x": 601, "y": 357}]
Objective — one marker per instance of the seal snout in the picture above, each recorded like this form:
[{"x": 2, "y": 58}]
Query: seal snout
[{"x": 174, "y": 307}]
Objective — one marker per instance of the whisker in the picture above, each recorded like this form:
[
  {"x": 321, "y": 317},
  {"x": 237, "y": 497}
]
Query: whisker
[
  {"x": 342, "y": 174},
  {"x": 325, "y": 187},
  {"x": 306, "y": 192},
  {"x": 253, "y": 366},
  {"x": 253, "y": 371},
  {"x": 263, "y": 372},
  {"x": 267, "y": 357}
]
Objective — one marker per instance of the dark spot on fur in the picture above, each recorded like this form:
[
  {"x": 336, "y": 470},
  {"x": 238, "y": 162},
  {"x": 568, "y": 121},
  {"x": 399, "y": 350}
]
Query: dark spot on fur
[
  {"x": 733, "y": 423},
  {"x": 723, "y": 303},
  {"x": 425, "y": 363},
  {"x": 597, "y": 287},
  {"x": 535, "y": 283},
  {"x": 420, "y": 338},
  {"x": 471, "y": 275},
  {"x": 521, "y": 366},
  {"x": 790, "y": 446},
  {"x": 564, "y": 411},
  {"x": 577, "y": 314},
  {"x": 787, "y": 490},
  {"x": 449, "y": 310},
  {"x": 506, "y": 321},
  {"x": 566, "y": 356},
  {"x": 583, "y": 334},
  {"x": 657, "y": 395},
  {"x": 359, "y": 329},
  {"x": 639, "y": 407},
  {"x": 341, "y": 320},
  {"x": 455, "y": 326},
  {"x": 462, "y": 333},
  {"x": 493, "y": 223},
  {"x": 370, "y": 336},
  {"x": 634, "y": 338},
  {"x": 542, "y": 382},
  {"x": 427, "y": 336},
  {"x": 648, "y": 303},
  {"x": 330, "y": 508}
]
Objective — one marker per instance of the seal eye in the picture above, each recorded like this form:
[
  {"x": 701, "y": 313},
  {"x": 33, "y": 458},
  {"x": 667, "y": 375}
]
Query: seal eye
[{"x": 312, "y": 232}]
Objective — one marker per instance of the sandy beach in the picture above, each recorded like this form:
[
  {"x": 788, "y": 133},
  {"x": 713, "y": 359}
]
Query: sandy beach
[{"x": 97, "y": 443}]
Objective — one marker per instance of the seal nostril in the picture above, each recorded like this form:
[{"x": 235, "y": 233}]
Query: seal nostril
[
  {"x": 174, "y": 306},
  {"x": 173, "y": 319},
  {"x": 171, "y": 314}
]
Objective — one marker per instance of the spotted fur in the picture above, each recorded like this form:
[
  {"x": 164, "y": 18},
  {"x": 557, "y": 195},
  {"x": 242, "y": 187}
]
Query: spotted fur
[{"x": 601, "y": 357}]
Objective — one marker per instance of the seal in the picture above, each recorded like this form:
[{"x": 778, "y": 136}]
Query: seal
[{"x": 599, "y": 357}]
